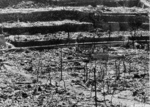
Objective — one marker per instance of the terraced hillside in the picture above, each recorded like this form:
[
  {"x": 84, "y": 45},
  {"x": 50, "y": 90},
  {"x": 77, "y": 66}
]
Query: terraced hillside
[{"x": 50, "y": 20}]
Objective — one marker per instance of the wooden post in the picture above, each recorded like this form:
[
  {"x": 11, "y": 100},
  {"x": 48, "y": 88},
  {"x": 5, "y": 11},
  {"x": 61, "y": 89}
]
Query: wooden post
[
  {"x": 86, "y": 72},
  {"x": 39, "y": 64},
  {"x": 68, "y": 37},
  {"x": 50, "y": 75},
  {"x": 61, "y": 64},
  {"x": 95, "y": 87},
  {"x": 149, "y": 54}
]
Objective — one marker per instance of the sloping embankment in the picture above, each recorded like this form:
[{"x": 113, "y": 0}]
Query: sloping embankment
[
  {"x": 64, "y": 41},
  {"x": 45, "y": 27},
  {"x": 71, "y": 13},
  {"x": 117, "y": 20}
]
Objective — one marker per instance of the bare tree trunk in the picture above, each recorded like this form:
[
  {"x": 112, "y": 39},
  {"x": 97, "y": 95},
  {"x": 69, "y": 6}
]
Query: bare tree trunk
[
  {"x": 61, "y": 65},
  {"x": 95, "y": 87}
]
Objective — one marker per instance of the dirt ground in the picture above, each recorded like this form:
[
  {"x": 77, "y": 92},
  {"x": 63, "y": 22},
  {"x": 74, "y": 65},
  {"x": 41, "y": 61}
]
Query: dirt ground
[{"x": 33, "y": 78}]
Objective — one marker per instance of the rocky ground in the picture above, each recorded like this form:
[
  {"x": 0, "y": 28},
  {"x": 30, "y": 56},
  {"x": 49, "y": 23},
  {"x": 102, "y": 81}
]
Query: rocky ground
[{"x": 33, "y": 78}]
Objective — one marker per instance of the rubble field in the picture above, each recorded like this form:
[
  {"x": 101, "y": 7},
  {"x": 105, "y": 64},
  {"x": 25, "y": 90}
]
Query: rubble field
[
  {"x": 74, "y": 53},
  {"x": 64, "y": 77}
]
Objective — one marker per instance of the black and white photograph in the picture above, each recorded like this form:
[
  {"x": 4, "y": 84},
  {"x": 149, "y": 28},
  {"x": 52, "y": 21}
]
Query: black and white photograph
[{"x": 74, "y": 53}]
